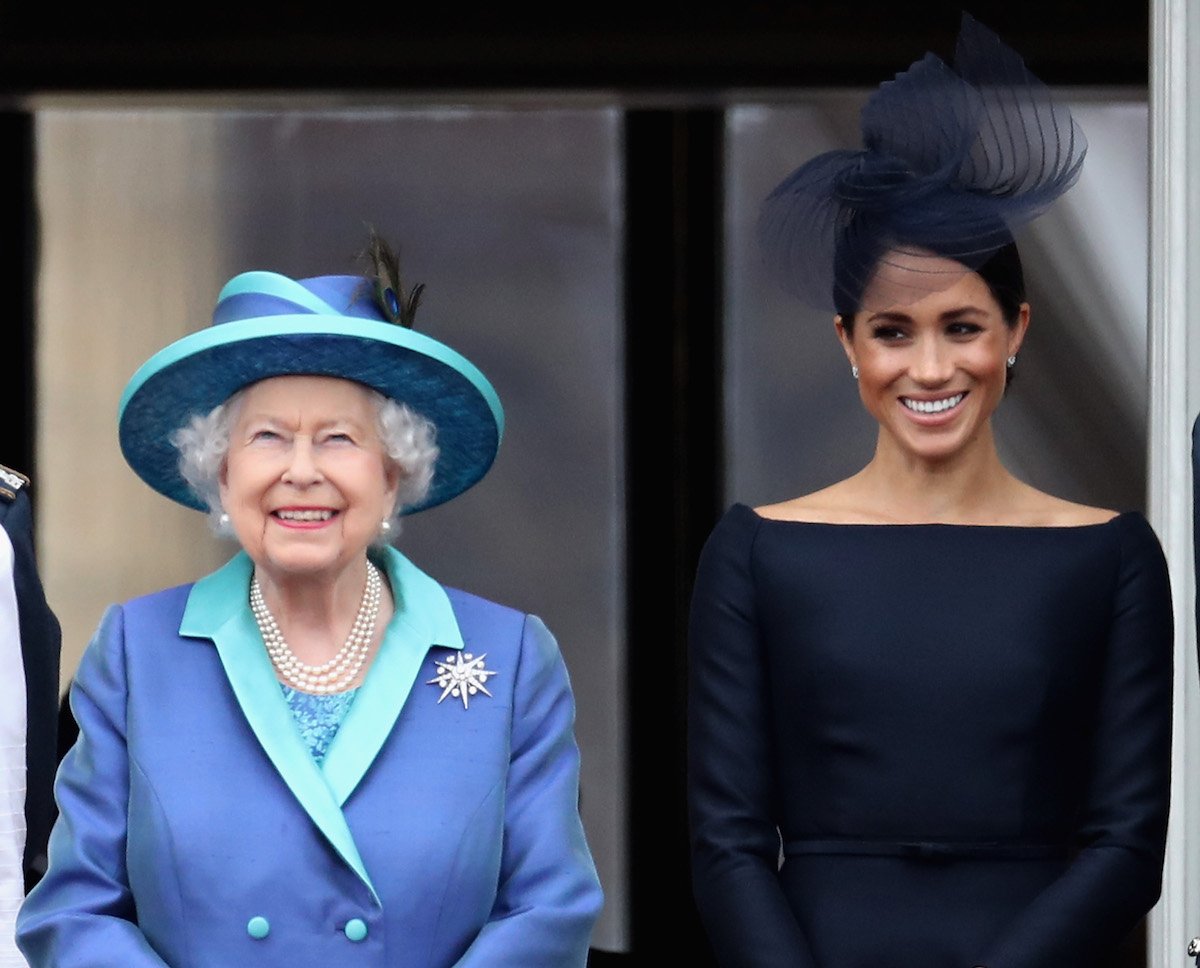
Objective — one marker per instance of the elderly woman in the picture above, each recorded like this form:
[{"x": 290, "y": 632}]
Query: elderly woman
[
  {"x": 317, "y": 755},
  {"x": 930, "y": 705}
]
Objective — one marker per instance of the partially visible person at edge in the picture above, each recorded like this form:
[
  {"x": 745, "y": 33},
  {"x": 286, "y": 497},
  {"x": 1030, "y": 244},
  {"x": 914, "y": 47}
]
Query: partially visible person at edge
[
  {"x": 317, "y": 755},
  {"x": 930, "y": 705},
  {"x": 30, "y": 640}
]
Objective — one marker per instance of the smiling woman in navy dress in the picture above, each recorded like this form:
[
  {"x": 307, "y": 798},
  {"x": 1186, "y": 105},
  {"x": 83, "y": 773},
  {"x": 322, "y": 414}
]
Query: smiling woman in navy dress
[{"x": 930, "y": 705}]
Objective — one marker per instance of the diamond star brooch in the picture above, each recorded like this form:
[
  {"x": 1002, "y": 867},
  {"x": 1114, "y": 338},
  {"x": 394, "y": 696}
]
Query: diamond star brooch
[{"x": 462, "y": 676}]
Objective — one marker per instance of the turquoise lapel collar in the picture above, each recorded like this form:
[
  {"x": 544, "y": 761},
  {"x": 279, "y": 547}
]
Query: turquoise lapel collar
[
  {"x": 423, "y": 618},
  {"x": 218, "y": 609}
]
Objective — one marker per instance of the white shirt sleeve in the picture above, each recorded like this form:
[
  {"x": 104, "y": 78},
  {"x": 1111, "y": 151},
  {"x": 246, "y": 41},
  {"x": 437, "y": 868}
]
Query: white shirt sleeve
[{"x": 12, "y": 761}]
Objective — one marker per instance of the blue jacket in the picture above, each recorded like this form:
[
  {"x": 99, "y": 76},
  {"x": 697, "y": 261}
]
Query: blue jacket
[{"x": 196, "y": 830}]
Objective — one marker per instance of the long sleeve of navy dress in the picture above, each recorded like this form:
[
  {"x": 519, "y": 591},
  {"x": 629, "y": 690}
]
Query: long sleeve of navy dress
[{"x": 927, "y": 746}]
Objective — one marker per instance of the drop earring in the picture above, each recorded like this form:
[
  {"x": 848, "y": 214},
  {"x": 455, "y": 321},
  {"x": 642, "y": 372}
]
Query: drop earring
[
  {"x": 1012, "y": 361},
  {"x": 854, "y": 372},
  {"x": 223, "y": 519},
  {"x": 385, "y": 526}
]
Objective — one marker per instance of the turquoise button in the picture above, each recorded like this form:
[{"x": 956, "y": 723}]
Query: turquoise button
[
  {"x": 355, "y": 929},
  {"x": 258, "y": 928}
]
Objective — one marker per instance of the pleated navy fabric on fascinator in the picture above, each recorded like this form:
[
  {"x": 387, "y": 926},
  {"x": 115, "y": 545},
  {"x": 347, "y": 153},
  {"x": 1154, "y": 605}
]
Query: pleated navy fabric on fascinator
[{"x": 953, "y": 160}]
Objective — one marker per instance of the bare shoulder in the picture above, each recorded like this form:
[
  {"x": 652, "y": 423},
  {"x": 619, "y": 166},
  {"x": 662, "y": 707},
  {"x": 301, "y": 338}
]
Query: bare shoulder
[
  {"x": 839, "y": 503},
  {"x": 1040, "y": 509}
]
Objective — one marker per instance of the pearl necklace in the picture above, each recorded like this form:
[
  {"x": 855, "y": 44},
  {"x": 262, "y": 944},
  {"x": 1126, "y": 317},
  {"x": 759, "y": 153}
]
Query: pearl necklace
[{"x": 336, "y": 674}]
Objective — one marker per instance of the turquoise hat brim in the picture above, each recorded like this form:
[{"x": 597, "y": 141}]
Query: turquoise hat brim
[{"x": 196, "y": 373}]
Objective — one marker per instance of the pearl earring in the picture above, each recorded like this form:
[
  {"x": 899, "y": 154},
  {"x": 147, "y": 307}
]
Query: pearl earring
[
  {"x": 223, "y": 519},
  {"x": 854, "y": 372},
  {"x": 386, "y": 526},
  {"x": 1012, "y": 361}
]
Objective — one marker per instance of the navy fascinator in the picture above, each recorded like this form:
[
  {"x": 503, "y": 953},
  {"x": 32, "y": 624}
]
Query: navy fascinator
[{"x": 953, "y": 160}]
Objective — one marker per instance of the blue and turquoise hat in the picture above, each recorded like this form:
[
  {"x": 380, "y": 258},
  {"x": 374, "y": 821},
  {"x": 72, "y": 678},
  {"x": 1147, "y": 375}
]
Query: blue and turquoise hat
[{"x": 266, "y": 325}]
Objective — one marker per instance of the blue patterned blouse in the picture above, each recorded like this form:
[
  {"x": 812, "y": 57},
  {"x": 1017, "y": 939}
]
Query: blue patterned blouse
[{"x": 318, "y": 717}]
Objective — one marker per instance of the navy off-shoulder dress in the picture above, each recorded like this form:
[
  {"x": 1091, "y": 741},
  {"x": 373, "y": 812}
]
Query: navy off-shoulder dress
[{"x": 927, "y": 746}]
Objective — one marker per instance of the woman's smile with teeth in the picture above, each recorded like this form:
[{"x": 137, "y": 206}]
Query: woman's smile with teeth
[
  {"x": 296, "y": 514},
  {"x": 933, "y": 406}
]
